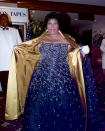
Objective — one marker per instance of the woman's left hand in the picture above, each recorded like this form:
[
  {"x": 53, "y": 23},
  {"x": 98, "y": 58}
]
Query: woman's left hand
[{"x": 82, "y": 53}]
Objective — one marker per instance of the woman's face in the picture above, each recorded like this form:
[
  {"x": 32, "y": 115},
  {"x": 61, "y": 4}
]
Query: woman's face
[{"x": 52, "y": 26}]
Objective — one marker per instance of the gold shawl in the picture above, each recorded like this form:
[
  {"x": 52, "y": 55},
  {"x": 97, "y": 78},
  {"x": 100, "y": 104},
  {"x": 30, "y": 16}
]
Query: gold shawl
[{"x": 24, "y": 59}]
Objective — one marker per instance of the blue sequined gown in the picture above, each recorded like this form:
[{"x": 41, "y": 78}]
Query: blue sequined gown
[{"x": 52, "y": 102}]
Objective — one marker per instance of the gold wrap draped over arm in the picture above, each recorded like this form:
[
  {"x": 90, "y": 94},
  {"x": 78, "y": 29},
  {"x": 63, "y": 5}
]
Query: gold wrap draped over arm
[{"x": 23, "y": 61}]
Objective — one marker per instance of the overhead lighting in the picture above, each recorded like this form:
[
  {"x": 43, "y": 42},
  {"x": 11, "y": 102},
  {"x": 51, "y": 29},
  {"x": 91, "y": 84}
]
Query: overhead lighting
[{"x": 33, "y": 11}]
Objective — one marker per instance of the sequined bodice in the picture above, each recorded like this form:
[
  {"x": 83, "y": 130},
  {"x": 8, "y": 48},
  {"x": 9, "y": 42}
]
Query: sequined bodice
[{"x": 53, "y": 52}]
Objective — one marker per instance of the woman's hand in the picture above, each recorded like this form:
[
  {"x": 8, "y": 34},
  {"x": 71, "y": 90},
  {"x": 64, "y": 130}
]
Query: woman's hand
[{"x": 83, "y": 54}]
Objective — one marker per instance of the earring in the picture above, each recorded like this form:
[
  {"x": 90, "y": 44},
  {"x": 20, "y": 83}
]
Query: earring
[
  {"x": 46, "y": 30},
  {"x": 61, "y": 33}
]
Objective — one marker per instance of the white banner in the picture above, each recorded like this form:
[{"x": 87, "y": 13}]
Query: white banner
[{"x": 16, "y": 14}]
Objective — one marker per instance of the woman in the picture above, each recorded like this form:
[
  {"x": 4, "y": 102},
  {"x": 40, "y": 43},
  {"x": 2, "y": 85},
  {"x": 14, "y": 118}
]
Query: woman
[
  {"x": 52, "y": 101},
  {"x": 56, "y": 98}
]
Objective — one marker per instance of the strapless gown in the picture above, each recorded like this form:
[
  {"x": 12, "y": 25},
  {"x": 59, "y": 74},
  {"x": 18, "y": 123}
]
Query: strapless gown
[{"x": 52, "y": 102}]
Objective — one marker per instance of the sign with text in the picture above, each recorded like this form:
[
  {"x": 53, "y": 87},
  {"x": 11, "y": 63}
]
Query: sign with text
[{"x": 16, "y": 14}]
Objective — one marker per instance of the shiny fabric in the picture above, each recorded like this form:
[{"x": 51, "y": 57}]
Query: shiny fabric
[
  {"x": 24, "y": 59},
  {"x": 53, "y": 102}
]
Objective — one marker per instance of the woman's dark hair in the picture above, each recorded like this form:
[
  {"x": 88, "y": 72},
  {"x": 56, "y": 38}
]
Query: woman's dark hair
[{"x": 52, "y": 15}]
